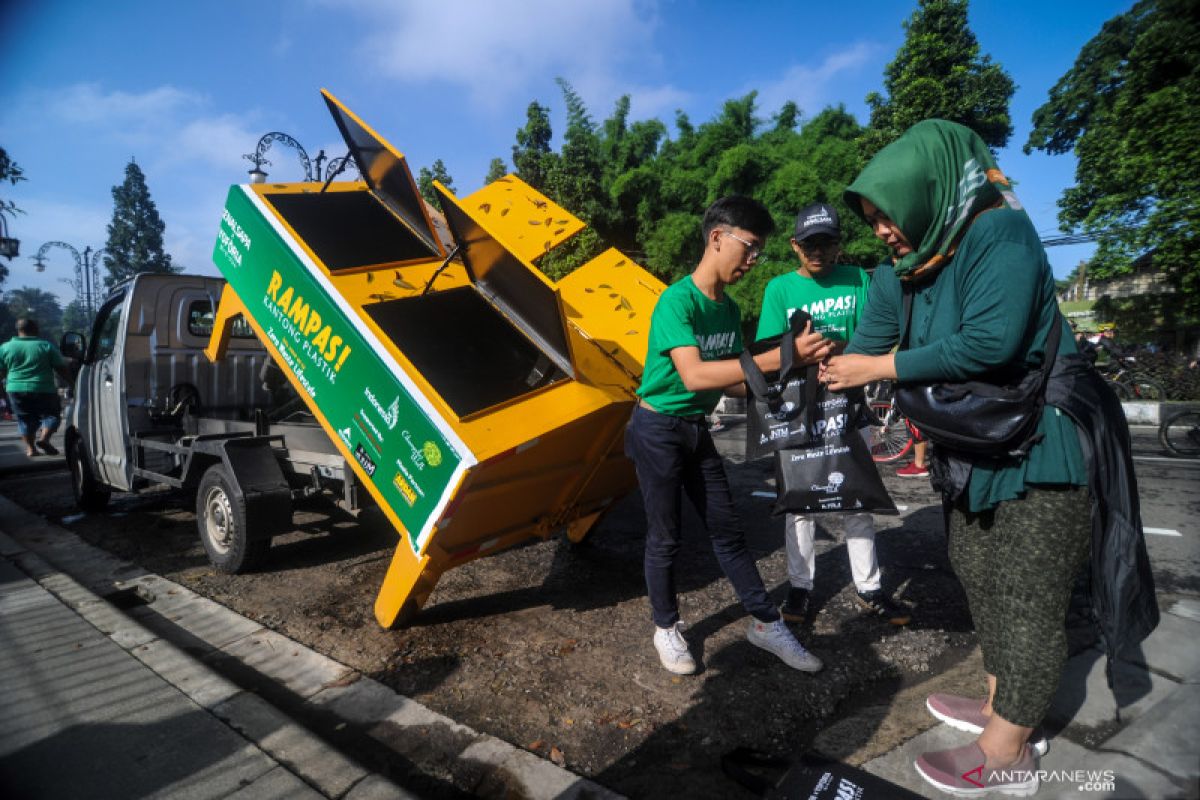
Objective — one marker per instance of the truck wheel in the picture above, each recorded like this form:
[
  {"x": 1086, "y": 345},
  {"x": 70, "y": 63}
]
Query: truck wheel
[
  {"x": 89, "y": 494},
  {"x": 221, "y": 519}
]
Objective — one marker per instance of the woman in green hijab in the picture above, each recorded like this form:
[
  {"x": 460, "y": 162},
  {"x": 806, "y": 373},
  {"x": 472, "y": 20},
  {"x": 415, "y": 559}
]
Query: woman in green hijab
[{"x": 983, "y": 302}]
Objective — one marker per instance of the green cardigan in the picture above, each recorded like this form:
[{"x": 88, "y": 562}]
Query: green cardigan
[{"x": 992, "y": 305}]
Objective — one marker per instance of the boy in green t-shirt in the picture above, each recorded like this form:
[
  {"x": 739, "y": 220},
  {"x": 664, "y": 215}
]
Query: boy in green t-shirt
[
  {"x": 695, "y": 338},
  {"x": 834, "y": 294}
]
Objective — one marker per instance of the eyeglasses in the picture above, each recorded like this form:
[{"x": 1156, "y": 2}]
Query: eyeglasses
[{"x": 753, "y": 251}]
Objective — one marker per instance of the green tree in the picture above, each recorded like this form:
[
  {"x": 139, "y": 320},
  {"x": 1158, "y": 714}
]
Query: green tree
[
  {"x": 39, "y": 305},
  {"x": 135, "y": 235},
  {"x": 427, "y": 176},
  {"x": 497, "y": 169},
  {"x": 11, "y": 172},
  {"x": 939, "y": 72},
  {"x": 1130, "y": 109},
  {"x": 532, "y": 157},
  {"x": 75, "y": 318}
]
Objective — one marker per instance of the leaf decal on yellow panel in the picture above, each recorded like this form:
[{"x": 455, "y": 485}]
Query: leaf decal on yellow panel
[
  {"x": 625, "y": 304},
  {"x": 403, "y": 284},
  {"x": 485, "y": 207}
]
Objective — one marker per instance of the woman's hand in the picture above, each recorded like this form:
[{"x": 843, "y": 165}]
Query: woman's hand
[
  {"x": 812, "y": 347},
  {"x": 848, "y": 371}
]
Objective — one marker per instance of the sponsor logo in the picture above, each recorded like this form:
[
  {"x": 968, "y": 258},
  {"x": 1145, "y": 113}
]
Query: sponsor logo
[
  {"x": 836, "y": 479},
  {"x": 432, "y": 453},
  {"x": 365, "y": 460},
  {"x": 345, "y": 434},
  {"x": 391, "y": 414},
  {"x": 405, "y": 488}
]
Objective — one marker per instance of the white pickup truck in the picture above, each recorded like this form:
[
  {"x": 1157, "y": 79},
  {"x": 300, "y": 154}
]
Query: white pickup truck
[{"x": 149, "y": 408}]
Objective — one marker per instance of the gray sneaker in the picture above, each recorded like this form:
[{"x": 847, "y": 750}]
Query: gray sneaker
[
  {"x": 673, "y": 650},
  {"x": 775, "y": 637}
]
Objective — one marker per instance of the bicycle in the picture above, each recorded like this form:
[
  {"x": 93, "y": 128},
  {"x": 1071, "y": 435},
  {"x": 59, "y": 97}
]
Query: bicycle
[
  {"x": 896, "y": 436},
  {"x": 1121, "y": 375},
  {"x": 1179, "y": 433}
]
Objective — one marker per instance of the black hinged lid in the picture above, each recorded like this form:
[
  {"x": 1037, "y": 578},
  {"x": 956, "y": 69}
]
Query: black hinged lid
[
  {"x": 385, "y": 172},
  {"x": 511, "y": 285}
]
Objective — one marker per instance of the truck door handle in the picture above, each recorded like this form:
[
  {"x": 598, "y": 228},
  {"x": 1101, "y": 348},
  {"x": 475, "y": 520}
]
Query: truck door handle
[{"x": 107, "y": 379}]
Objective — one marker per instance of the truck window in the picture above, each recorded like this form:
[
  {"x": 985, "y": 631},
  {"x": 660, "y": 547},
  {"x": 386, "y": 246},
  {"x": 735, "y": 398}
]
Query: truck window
[
  {"x": 200, "y": 321},
  {"x": 108, "y": 327}
]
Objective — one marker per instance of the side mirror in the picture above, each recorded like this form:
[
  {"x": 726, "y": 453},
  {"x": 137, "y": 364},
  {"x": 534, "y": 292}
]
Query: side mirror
[{"x": 73, "y": 345}]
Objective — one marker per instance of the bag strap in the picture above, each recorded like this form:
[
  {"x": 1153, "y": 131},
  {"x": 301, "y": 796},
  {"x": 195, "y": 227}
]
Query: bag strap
[{"x": 755, "y": 378}]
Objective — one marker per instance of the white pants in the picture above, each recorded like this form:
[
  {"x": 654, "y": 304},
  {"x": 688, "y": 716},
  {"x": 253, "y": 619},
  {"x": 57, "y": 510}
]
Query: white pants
[{"x": 798, "y": 532}]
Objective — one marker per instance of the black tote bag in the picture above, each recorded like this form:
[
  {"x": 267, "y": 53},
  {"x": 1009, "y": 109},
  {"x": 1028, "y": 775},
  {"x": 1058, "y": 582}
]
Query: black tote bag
[
  {"x": 834, "y": 470},
  {"x": 774, "y": 400}
]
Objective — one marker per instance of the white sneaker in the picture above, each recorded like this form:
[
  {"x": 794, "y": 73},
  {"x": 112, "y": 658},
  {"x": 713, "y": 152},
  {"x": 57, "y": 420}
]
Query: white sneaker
[
  {"x": 775, "y": 637},
  {"x": 673, "y": 650}
]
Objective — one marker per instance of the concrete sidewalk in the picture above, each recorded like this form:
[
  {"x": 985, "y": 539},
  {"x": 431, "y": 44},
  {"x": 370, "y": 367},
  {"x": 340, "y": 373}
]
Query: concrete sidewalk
[
  {"x": 1142, "y": 742},
  {"x": 115, "y": 682}
]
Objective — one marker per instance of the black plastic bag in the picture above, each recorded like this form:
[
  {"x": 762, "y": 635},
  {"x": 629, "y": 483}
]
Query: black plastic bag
[
  {"x": 834, "y": 471},
  {"x": 809, "y": 778},
  {"x": 775, "y": 400}
]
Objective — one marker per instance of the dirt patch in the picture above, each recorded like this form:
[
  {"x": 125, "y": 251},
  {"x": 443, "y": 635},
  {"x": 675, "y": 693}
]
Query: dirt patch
[{"x": 547, "y": 646}]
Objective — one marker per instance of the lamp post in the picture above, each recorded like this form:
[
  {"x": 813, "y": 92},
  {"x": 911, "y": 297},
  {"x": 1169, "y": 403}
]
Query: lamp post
[
  {"x": 10, "y": 248},
  {"x": 312, "y": 167},
  {"x": 86, "y": 282}
]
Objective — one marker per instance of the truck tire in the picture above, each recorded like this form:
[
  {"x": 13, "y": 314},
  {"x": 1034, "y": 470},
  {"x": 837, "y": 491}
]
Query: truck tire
[
  {"x": 221, "y": 520},
  {"x": 90, "y": 495}
]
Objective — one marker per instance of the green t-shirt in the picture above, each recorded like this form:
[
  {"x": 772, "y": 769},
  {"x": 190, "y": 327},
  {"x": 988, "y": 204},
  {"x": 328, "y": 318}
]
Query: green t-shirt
[
  {"x": 835, "y": 300},
  {"x": 684, "y": 317},
  {"x": 993, "y": 304},
  {"x": 29, "y": 364}
]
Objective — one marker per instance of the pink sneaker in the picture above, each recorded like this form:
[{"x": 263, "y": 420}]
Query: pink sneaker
[
  {"x": 911, "y": 470},
  {"x": 963, "y": 772},
  {"x": 966, "y": 714}
]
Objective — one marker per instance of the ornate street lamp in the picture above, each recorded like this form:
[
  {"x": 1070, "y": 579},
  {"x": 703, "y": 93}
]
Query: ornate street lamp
[
  {"x": 312, "y": 167},
  {"x": 9, "y": 248},
  {"x": 86, "y": 278}
]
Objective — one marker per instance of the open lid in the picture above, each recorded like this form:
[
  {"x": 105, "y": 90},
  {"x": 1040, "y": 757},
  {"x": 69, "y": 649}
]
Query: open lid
[
  {"x": 510, "y": 284},
  {"x": 385, "y": 172}
]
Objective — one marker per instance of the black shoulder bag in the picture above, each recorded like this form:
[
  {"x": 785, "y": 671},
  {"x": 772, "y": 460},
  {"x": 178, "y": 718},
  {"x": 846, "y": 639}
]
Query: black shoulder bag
[{"x": 980, "y": 417}]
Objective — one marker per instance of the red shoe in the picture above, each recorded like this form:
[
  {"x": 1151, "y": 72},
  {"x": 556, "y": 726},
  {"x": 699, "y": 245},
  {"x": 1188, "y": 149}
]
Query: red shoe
[{"x": 913, "y": 471}]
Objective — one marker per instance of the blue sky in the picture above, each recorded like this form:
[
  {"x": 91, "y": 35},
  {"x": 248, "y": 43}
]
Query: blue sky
[{"x": 188, "y": 88}]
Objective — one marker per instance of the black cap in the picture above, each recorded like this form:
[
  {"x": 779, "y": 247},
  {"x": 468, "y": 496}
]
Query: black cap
[{"x": 817, "y": 219}]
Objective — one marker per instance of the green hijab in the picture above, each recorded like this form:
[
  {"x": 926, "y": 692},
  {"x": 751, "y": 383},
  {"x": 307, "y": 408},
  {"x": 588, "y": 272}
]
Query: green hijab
[{"x": 932, "y": 182}]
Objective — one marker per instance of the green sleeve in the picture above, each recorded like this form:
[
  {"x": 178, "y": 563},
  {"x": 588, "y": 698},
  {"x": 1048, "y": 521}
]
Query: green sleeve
[
  {"x": 997, "y": 290},
  {"x": 671, "y": 324},
  {"x": 774, "y": 317},
  {"x": 878, "y": 329},
  {"x": 56, "y": 357}
]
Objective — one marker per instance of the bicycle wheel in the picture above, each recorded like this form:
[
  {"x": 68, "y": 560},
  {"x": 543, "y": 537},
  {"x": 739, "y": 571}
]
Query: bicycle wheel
[
  {"x": 893, "y": 440},
  {"x": 1179, "y": 433},
  {"x": 1146, "y": 389},
  {"x": 1122, "y": 390}
]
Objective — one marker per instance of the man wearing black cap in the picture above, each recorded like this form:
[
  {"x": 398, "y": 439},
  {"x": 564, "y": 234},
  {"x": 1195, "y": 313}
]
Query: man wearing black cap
[{"x": 834, "y": 294}]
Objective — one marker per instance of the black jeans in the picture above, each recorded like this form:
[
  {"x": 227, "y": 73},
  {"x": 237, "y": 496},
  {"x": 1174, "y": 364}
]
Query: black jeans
[{"x": 673, "y": 453}]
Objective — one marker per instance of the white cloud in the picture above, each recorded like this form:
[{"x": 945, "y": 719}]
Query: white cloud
[
  {"x": 218, "y": 141},
  {"x": 814, "y": 87},
  {"x": 89, "y": 104},
  {"x": 497, "y": 49}
]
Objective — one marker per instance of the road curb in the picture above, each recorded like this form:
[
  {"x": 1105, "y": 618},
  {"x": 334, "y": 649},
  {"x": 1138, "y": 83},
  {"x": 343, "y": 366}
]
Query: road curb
[{"x": 213, "y": 635}]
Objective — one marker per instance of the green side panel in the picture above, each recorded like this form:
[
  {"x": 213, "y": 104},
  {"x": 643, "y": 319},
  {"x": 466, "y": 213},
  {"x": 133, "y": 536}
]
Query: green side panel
[{"x": 374, "y": 411}]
